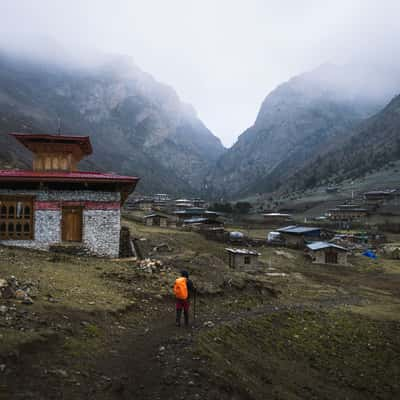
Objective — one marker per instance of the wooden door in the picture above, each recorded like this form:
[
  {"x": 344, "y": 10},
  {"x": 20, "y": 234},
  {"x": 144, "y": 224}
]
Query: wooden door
[
  {"x": 331, "y": 257},
  {"x": 72, "y": 224}
]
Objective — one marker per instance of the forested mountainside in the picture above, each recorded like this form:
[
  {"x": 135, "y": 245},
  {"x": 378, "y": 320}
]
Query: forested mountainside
[
  {"x": 296, "y": 122},
  {"x": 370, "y": 146},
  {"x": 137, "y": 125}
]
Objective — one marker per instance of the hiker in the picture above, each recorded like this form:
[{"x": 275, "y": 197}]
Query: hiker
[{"x": 183, "y": 290}]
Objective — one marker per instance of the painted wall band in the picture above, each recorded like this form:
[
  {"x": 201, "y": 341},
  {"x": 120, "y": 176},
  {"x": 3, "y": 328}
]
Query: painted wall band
[{"x": 87, "y": 205}]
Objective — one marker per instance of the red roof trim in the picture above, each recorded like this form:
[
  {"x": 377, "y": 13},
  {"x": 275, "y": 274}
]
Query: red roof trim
[{"x": 34, "y": 176}]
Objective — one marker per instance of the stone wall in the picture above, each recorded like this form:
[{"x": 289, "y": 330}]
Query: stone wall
[
  {"x": 101, "y": 230},
  {"x": 319, "y": 257},
  {"x": 238, "y": 261},
  {"x": 101, "y": 224}
]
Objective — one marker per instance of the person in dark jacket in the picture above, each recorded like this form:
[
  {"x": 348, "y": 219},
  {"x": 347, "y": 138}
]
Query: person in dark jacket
[{"x": 183, "y": 299}]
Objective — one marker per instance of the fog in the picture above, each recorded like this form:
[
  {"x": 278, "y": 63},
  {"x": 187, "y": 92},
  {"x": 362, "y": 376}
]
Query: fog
[{"x": 222, "y": 56}]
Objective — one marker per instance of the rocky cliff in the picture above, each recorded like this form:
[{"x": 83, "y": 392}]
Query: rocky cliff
[
  {"x": 296, "y": 121},
  {"x": 137, "y": 125},
  {"x": 373, "y": 144}
]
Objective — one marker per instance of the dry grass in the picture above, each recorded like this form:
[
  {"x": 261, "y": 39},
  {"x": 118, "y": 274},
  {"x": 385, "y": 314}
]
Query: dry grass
[{"x": 73, "y": 282}]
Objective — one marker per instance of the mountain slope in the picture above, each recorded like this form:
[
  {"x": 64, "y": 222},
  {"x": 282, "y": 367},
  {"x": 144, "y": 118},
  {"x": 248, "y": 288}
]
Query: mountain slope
[
  {"x": 295, "y": 122},
  {"x": 370, "y": 146},
  {"x": 137, "y": 125}
]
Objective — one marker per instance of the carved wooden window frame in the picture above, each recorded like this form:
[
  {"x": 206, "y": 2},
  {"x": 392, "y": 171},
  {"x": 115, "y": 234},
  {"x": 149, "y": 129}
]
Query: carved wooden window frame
[{"x": 16, "y": 218}]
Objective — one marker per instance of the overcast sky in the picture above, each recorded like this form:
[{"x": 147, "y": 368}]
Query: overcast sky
[{"x": 222, "y": 56}]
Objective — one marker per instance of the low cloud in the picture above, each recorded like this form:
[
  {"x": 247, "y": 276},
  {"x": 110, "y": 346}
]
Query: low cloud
[{"x": 221, "y": 56}]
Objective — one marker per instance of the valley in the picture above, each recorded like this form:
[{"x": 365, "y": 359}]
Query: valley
[
  {"x": 291, "y": 237},
  {"x": 304, "y": 130},
  {"x": 105, "y": 329}
]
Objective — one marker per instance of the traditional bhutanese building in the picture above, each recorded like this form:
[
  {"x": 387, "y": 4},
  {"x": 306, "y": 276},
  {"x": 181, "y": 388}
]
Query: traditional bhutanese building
[{"x": 55, "y": 204}]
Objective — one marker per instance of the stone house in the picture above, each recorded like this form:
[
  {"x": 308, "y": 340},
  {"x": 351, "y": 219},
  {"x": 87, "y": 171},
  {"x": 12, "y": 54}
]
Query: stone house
[
  {"x": 297, "y": 236},
  {"x": 277, "y": 218},
  {"x": 327, "y": 253},
  {"x": 55, "y": 204},
  {"x": 194, "y": 212},
  {"x": 156, "y": 220},
  {"x": 242, "y": 258},
  {"x": 182, "y": 204},
  {"x": 378, "y": 197},
  {"x": 347, "y": 212},
  {"x": 144, "y": 204}
]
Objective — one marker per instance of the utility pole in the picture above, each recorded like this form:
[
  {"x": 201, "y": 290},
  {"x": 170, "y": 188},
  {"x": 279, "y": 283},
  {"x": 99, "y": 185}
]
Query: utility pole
[{"x": 59, "y": 126}]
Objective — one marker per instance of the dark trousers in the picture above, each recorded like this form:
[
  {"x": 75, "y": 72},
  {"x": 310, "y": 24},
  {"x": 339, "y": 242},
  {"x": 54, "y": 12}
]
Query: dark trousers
[{"x": 182, "y": 305}]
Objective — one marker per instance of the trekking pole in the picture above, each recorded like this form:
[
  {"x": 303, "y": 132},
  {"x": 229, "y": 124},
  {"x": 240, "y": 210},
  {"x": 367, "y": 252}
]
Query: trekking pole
[{"x": 194, "y": 308}]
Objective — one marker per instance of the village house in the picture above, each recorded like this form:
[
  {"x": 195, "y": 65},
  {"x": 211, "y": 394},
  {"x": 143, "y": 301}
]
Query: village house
[
  {"x": 195, "y": 212},
  {"x": 378, "y": 197},
  {"x": 347, "y": 212},
  {"x": 161, "y": 201},
  {"x": 242, "y": 258},
  {"x": 296, "y": 236},
  {"x": 276, "y": 218},
  {"x": 182, "y": 204},
  {"x": 144, "y": 204},
  {"x": 327, "y": 253},
  {"x": 199, "y": 203},
  {"x": 204, "y": 223},
  {"x": 55, "y": 204},
  {"x": 156, "y": 220}
]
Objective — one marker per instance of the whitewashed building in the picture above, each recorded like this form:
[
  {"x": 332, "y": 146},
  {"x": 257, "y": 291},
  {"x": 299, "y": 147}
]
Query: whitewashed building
[{"x": 55, "y": 204}]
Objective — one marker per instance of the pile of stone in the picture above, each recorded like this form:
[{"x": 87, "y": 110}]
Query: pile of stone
[
  {"x": 163, "y": 247},
  {"x": 151, "y": 266},
  {"x": 11, "y": 288}
]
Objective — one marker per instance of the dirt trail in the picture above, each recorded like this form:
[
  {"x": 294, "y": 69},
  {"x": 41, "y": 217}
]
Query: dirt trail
[{"x": 151, "y": 359}]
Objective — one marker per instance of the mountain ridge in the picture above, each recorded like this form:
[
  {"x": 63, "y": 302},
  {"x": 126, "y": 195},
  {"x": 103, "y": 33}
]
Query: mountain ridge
[
  {"x": 137, "y": 125},
  {"x": 295, "y": 120}
]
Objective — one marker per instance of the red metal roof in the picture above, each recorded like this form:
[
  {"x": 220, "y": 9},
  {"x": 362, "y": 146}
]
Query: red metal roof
[
  {"x": 28, "y": 139},
  {"x": 34, "y": 176}
]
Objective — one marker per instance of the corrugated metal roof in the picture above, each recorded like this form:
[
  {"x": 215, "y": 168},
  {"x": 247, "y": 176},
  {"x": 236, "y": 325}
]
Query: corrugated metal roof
[
  {"x": 155, "y": 215},
  {"x": 195, "y": 211},
  {"x": 197, "y": 220},
  {"x": 276, "y": 215},
  {"x": 324, "y": 245},
  {"x": 243, "y": 252},
  {"x": 298, "y": 230}
]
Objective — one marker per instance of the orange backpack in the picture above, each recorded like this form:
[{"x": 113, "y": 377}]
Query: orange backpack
[{"x": 180, "y": 289}]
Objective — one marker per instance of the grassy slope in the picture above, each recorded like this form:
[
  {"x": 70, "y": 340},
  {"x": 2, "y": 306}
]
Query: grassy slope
[
  {"x": 303, "y": 344},
  {"x": 307, "y": 354}
]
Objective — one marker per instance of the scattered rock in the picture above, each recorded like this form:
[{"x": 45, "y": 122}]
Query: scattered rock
[
  {"x": 3, "y": 309},
  {"x": 20, "y": 294},
  {"x": 7, "y": 292},
  {"x": 208, "y": 324},
  {"x": 162, "y": 247},
  {"x": 11, "y": 288},
  {"x": 27, "y": 300},
  {"x": 150, "y": 266},
  {"x": 285, "y": 254},
  {"x": 60, "y": 372}
]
